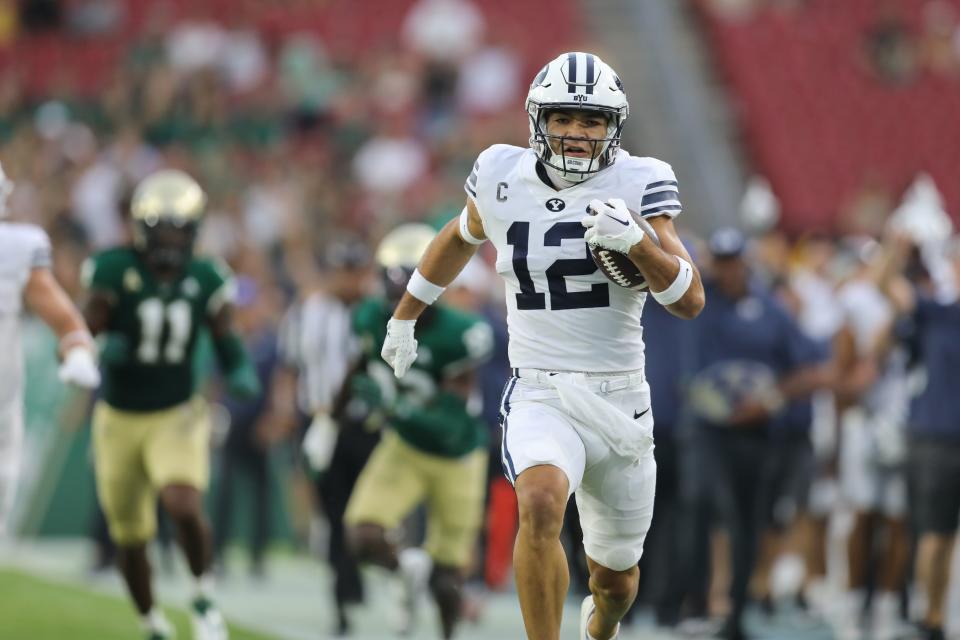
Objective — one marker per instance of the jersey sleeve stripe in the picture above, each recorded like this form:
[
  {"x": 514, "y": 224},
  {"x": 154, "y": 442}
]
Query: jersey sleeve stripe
[
  {"x": 662, "y": 183},
  {"x": 659, "y": 196},
  {"x": 42, "y": 258},
  {"x": 670, "y": 210},
  {"x": 470, "y": 189},
  {"x": 673, "y": 203}
]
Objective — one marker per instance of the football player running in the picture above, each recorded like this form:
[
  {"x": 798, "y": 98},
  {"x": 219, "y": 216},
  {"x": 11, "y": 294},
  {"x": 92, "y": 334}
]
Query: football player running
[
  {"x": 435, "y": 449},
  {"x": 26, "y": 276},
  {"x": 147, "y": 303},
  {"x": 576, "y": 413}
]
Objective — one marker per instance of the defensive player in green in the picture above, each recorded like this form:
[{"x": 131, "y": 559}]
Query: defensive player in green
[
  {"x": 148, "y": 303},
  {"x": 434, "y": 449}
]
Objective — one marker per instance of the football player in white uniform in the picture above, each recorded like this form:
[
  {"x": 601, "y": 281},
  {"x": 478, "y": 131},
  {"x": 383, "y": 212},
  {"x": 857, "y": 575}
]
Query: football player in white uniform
[
  {"x": 576, "y": 413},
  {"x": 25, "y": 276}
]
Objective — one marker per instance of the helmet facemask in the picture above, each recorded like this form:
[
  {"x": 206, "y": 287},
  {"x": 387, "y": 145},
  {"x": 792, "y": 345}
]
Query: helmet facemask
[
  {"x": 574, "y": 169},
  {"x": 167, "y": 246}
]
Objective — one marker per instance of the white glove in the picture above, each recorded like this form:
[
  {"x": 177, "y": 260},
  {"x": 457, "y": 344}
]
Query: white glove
[
  {"x": 79, "y": 368},
  {"x": 399, "y": 347},
  {"x": 319, "y": 442},
  {"x": 613, "y": 227}
]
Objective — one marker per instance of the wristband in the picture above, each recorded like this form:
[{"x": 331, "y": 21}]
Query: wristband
[
  {"x": 468, "y": 237},
  {"x": 679, "y": 285},
  {"x": 422, "y": 289}
]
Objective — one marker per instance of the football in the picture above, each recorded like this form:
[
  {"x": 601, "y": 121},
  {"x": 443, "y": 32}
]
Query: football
[{"x": 618, "y": 268}]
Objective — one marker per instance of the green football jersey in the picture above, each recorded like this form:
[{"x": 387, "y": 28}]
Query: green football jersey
[
  {"x": 160, "y": 321},
  {"x": 449, "y": 342}
]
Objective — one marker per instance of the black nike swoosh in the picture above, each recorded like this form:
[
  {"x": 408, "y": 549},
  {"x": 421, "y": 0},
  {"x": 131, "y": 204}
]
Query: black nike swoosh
[
  {"x": 642, "y": 413},
  {"x": 623, "y": 222}
]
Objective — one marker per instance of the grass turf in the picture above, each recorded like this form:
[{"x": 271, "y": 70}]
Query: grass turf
[{"x": 35, "y": 609}]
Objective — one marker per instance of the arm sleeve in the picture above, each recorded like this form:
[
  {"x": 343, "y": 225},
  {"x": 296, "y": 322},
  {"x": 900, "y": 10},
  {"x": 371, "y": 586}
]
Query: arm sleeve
[
  {"x": 96, "y": 275},
  {"x": 470, "y": 186},
  {"x": 222, "y": 287},
  {"x": 231, "y": 354},
  {"x": 41, "y": 255},
  {"x": 661, "y": 196}
]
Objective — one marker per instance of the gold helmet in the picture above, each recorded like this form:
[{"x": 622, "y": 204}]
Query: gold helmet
[
  {"x": 399, "y": 253},
  {"x": 167, "y": 207}
]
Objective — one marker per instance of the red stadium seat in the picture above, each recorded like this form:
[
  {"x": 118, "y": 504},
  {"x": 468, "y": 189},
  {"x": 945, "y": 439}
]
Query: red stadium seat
[{"x": 815, "y": 117}]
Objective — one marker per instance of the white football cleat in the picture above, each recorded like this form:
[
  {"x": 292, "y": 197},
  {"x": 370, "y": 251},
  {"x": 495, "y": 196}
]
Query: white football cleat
[
  {"x": 207, "y": 621},
  {"x": 586, "y": 612},
  {"x": 157, "y": 626},
  {"x": 415, "y": 567}
]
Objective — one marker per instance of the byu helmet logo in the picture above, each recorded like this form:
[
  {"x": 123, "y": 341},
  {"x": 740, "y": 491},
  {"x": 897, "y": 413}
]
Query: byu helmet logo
[{"x": 556, "y": 204}]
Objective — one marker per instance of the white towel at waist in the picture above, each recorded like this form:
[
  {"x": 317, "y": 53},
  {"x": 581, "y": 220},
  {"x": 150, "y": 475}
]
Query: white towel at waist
[{"x": 626, "y": 436}]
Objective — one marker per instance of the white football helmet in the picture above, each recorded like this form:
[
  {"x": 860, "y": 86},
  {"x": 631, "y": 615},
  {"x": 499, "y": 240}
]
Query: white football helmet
[
  {"x": 6, "y": 188},
  {"x": 581, "y": 81}
]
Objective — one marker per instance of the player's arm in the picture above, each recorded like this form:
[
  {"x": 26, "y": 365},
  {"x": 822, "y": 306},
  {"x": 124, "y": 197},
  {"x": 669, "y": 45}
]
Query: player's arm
[
  {"x": 46, "y": 298},
  {"x": 668, "y": 269},
  {"x": 238, "y": 369},
  {"x": 444, "y": 258},
  {"x": 887, "y": 272}
]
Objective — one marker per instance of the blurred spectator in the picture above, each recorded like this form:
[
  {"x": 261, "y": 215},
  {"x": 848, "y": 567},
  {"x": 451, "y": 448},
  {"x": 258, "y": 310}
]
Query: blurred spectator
[
  {"x": 254, "y": 429},
  {"x": 733, "y": 9},
  {"x": 390, "y": 163},
  {"x": 867, "y": 208},
  {"x": 891, "y": 49},
  {"x": 872, "y": 407},
  {"x": 94, "y": 18},
  {"x": 443, "y": 30},
  {"x": 309, "y": 82},
  {"x": 939, "y": 40},
  {"x": 750, "y": 360},
  {"x": 934, "y": 447},
  {"x": 40, "y": 15},
  {"x": 489, "y": 81},
  {"x": 243, "y": 60},
  {"x": 196, "y": 43}
]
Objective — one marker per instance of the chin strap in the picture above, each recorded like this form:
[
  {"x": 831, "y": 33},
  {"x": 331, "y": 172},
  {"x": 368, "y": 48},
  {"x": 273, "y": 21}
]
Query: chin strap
[{"x": 556, "y": 177}]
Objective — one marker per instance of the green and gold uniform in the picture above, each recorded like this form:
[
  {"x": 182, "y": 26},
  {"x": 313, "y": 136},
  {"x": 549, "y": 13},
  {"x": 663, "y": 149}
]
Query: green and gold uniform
[
  {"x": 149, "y": 431},
  {"x": 159, "y": 324},
  {"x": 434, "y": 449}
]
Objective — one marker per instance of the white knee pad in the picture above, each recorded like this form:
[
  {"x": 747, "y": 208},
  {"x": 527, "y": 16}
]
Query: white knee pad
[{"x": 615, "y": 502}]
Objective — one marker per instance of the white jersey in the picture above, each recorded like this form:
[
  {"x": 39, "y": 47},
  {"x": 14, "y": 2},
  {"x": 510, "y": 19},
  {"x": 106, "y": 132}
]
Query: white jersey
[
  {"x": 23, "y": 247},
  {"x": 868, "y": 313},
  {"x": 562, "y": 312}
]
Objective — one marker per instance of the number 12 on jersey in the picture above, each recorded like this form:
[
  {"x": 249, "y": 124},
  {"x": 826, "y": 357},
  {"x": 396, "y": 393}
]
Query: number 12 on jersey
[
  {"x": 518, "y": 236},
  {"x": 153, "y": 315}
]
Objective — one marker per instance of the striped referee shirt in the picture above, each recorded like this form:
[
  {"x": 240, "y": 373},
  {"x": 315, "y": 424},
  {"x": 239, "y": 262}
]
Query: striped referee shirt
[{"x": 316, "y": 339}]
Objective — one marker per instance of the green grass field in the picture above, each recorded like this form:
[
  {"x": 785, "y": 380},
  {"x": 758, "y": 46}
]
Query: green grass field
[{"x": 35, "y": 609}]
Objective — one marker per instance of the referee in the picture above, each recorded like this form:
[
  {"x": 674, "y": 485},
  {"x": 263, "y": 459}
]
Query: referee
[{"x": 317, "y": 349}]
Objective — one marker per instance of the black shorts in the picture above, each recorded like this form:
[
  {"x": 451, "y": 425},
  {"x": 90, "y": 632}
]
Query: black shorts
[
  {"x": 935, "y": 485},
  {"x": 788, "y": 474}
]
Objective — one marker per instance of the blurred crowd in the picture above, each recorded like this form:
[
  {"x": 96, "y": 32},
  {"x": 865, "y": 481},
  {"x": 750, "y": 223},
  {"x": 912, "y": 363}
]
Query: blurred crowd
[
  {"x": 293, "y": 144},
  {"x": 897, "y": 49}
]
